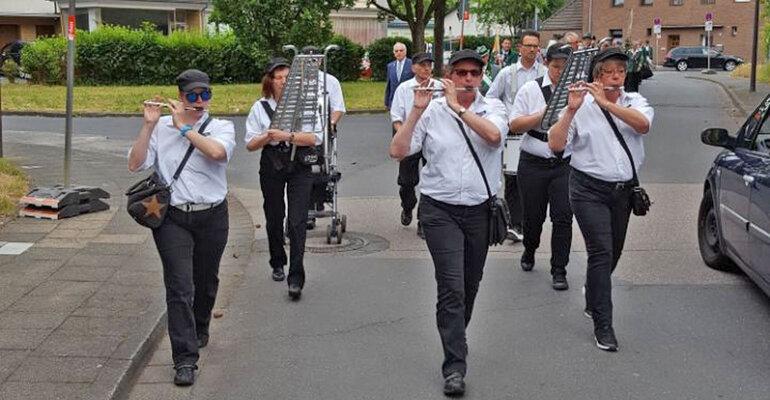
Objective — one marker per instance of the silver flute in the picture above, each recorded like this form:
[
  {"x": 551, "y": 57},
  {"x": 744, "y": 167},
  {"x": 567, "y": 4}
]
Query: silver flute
[
  {"x": 441, "y": 89},
  {"x": 161, "y": 104},
  {"x": 585, "y": 88}
]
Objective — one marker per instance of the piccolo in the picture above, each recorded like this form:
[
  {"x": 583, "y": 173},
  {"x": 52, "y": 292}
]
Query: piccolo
[
  {"x": 585, "y": 88},
  {"x": 160, "y": 104},
  {"x": 430, "y": 89}
]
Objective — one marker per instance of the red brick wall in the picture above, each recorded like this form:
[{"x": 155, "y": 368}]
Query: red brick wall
[{"x": 727, "y": 14}]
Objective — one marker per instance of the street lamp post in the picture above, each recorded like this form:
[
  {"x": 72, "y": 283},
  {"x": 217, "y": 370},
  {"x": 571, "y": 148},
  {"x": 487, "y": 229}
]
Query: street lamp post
[
  {"x": 70, "y": 79},
  {"x": 754, "y": 44}
]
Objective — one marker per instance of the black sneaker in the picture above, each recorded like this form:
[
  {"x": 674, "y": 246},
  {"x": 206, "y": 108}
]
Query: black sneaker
[
  {"x": 295, "y": 292},
  {"x": 527, "y": 261},
  {"x": 515, "y": 234},
  {"x": 406, "y": 217},
  {"x": 605, "y": 338},
  {"x": 278, "y": 274},
  {"x": 185, "y": 375},
  {"x": 310, "y": 225},
  {"x": 560, "y": 282},
  {"x": 203, "y": 341},
  {"x": 454, "y": 385}
]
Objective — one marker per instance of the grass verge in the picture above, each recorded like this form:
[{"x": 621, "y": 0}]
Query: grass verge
[
  {"x": 228, "y": 99},
  {"x": 744, "y": 71},
  {"x": 13, "y": 185}
]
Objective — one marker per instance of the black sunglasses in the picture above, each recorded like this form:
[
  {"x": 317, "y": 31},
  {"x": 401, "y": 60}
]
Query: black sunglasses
[{"x": 192, "y": 97}]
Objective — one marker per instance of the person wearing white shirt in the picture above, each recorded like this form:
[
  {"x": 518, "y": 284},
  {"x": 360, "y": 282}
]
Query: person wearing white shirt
[
  {"x": 409, "y": 167},
  {"x": 601, "y": 182},
  {"x": 454, "y": 205},
  {"x": 336, "y": 111},
  {"x": 193, "y": 235},
  {"x": 281, "y": 174},
  {"x": 504, "y": 87},
  {"x": 543, "y": 175}
]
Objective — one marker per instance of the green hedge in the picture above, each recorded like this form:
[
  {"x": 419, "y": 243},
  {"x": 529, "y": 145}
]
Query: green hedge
[
  {"x": 381, "y": 53},
  {"x": 116, "y": 55}
]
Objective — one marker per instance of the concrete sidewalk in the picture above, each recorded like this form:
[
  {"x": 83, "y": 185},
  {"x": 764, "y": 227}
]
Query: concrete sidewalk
[
  {"x": 737, "y": 89},
  {"x": 85, "y": 303}
]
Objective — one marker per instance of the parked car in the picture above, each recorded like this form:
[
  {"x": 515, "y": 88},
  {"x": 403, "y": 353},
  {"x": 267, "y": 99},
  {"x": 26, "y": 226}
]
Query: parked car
[
  {"x": 12, "y": 50},
  {"x": 696, "y": 57},
  {"x": 734, "y": 215}
]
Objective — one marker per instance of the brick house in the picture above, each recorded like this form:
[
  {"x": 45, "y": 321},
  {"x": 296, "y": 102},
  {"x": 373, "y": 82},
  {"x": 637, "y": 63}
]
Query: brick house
[
  {"x": 27, "y": 20},
  {"x": 682, "y": 22}
]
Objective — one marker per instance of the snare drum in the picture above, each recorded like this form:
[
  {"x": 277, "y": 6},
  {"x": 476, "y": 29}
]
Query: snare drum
[{"x": 511, "y": 154}]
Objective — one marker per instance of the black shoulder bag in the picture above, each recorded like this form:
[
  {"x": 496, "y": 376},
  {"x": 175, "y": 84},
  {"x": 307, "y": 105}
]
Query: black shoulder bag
[
  {"x": 148, "y": 200},
  {"x": 640, "y": 201},
  {"x": 499, "y": 216}
]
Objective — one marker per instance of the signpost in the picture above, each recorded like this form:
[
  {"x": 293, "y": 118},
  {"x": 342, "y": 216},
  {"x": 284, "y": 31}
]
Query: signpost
[
  {"x": 464, "y": 15},
  {"x": 70, "y": 80},
  {"x": 709, "y": 26},
  {"x": 656, "y": 28}
]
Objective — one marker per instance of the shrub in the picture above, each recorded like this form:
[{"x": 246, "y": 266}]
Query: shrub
[
  {"x": 381, "y": 53},
  {"x": 11, "y": 70},
  {"x": 45, "y": 60},
  {"x": 345, "y": 63}
]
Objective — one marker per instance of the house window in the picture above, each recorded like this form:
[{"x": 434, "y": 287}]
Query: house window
[
  {"x": 617, "y": 3},
  {"x": 707, "y": 1},
  {"x": 735, "y": 31},
  {"x": 616, "y": 33},
  {"x": 677, "y": 2},
  {"x": 673, "y": 41},
  {"x": 646, "y": 2}
]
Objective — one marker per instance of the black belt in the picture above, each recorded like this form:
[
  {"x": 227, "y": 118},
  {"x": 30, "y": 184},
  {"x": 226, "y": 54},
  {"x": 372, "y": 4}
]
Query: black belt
[
  {"x": 279, "y": 148},
  {"x": 541, "y": 136},
  {"x": 625, "y": 185},
  {"x": 549, "y": 162}
]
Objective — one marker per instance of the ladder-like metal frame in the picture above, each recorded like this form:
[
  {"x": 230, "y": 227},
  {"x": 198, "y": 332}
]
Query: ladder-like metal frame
[{"x": 577, "y": 68}]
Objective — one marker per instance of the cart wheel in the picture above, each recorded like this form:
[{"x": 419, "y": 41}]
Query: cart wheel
[
  {"x": 344, "y": 223},
  {"x": 328, "y": 234},
  {"x": 339, "y": 235}
]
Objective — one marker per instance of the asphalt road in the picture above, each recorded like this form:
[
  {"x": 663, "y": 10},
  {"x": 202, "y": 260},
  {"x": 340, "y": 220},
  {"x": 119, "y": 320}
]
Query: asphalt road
[{"x": 365, "y": 328}]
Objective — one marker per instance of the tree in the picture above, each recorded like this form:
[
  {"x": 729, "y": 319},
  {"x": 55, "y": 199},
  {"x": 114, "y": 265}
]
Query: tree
[
  {"x": 266, "y": 25},
  {"x": 416, "y": 13},
  {"x": 438, "y": 36},
  {"x": 512, "y": 14}
]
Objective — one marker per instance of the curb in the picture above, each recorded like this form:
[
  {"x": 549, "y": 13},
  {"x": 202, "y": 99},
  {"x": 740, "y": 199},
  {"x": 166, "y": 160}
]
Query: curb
[
  {"x": 736, "y": 102},
  {"x": 127, "y": 379},
  {"x": 57, "y": 114}
]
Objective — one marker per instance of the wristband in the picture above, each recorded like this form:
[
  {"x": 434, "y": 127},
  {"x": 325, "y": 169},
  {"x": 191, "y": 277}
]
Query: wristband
[
  {"x": 184, "y": 130},
  {"x": 291, "y": 139}
]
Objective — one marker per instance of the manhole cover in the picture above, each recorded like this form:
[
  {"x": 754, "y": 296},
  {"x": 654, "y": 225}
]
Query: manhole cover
[{"x": 352, "y": 242}]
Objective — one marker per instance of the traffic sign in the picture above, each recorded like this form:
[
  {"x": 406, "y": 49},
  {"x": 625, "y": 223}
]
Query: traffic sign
[
  {"x": 656, "y": 21},
  {"x": 709, "y": 16},
  {"x": 656, "y": 25},
  {"x": 709, "y": 26}
]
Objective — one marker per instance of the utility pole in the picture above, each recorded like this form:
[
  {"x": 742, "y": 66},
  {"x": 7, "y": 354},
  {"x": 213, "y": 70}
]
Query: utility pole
[
  {"x": 754, "y": 44},
  {"x": 70, "y": 80}
]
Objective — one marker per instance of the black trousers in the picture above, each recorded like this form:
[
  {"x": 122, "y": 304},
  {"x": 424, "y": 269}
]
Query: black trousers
[
  {"x": 513, "y": 199},
  {"x": 602, "y": 210},
  {"x": 457, "y": 237},
  {"x": 408, "y": 179},
  {"x": 297, "y": 182},
  {"x": 543, "y": 183},
  {"x": 190, "y": 245}
]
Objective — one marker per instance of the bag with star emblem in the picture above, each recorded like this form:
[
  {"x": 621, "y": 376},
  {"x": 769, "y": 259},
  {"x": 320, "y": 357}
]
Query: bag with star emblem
[{"x": 148, "y": 200}]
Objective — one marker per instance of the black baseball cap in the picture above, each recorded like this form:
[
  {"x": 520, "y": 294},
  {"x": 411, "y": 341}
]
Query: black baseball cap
[
  {"x": 611, "y": 53},
  {"x": 465, "y": 54},
  {"x": 588, "y": 35},
  {"x": 275, "y": 63},
  {"x": 192, "y": 79},
  {"x": 422, "y": 57},
  {"x": 556, "y": 52},
  {"x": 310, "y": 50}
]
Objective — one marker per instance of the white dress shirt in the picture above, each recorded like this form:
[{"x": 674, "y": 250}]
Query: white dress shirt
[
  {"x": 503, "y": 87},
  {"x": 258, "y": 122},
  {"x": 203, "y": 180},
  {"x": 399, "y": 68},
  {"x": 450, "y": 174},
  {"x": 595, "y": 149},
  {"x": 403, "y": 99},
  {"x": 336, "y": 101},
  {"x": 530, "y": 100}
]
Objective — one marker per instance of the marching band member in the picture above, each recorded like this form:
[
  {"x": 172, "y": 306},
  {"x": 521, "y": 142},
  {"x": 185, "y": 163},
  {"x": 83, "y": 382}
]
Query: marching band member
[
  {"x": 403, "y": 99},
  {"x": 454, "y": 204},
  {"x": 504, "y": 88},
  {"x": 543, "y": 174},
  {"x": 279, "y": 174},
  {"x": 601, "y": 180},
  {"x": 193, "y": 235}
]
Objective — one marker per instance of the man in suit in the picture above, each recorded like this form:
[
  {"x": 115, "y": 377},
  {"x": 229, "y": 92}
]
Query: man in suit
[
  {"x": 506, "y": 56},
  {"x": 399, "y": 70}
]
